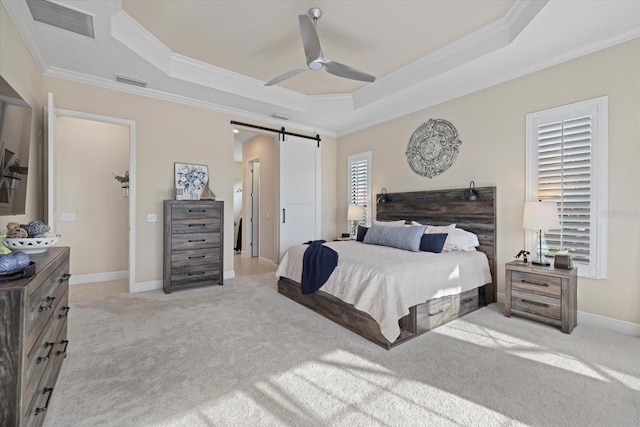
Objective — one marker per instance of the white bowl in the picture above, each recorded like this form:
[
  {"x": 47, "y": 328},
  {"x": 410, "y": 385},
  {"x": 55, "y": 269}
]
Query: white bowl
[{"x": 33, "y": 245}]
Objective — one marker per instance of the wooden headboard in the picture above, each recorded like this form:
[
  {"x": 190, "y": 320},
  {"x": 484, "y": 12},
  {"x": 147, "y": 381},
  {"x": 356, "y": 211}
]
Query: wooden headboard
[{"x": 443, "y": 207}]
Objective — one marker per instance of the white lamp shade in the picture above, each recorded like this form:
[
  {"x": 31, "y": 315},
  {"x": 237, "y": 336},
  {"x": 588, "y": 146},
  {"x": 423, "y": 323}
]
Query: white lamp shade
[
  {"x": 355, "y": 213},
  {"x": 540, "y": 216}
]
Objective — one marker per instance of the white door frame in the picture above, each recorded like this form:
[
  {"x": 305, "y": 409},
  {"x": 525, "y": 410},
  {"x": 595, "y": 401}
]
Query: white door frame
[
  {"x": 59, "y": 112},
  {"x": 247, "y": 208}
]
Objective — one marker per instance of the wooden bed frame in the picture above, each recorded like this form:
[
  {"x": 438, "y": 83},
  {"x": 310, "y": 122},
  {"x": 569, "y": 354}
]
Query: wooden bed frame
[{"x": 438, "y": 207}]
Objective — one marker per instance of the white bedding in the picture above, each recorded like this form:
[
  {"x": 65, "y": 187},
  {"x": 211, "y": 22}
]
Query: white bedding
[{"x": 384, "y": 282}]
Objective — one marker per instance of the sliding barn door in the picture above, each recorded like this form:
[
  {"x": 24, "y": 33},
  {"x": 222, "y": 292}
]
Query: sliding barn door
[{"x": 299, "y": 192}]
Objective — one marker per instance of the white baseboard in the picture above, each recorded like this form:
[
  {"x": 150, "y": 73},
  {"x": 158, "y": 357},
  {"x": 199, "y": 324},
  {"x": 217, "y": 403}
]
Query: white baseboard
[
  {"x": 146, "y": 286},
  {"x": 81, "y": 279},
  {"x": 229, "y": 274},
  {"x": 613, "y": 325}
]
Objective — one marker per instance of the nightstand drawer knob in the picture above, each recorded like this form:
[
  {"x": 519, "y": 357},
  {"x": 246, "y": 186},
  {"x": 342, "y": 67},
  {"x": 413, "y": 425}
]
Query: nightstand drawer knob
[
  {"x": 436, "y": 313},
  {"x": 541, "y": 304}
]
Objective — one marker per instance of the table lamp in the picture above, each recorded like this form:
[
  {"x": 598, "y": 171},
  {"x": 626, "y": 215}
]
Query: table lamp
[
  {"x": 540, "y": 216},
  {"x": 355, "y": 213}
]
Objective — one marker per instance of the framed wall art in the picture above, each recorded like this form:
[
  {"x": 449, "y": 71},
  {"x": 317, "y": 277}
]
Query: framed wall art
[{"x": 191, "y": 180}]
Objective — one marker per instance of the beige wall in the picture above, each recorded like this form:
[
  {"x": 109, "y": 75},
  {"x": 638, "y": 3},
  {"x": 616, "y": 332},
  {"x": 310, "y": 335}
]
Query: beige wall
[
  {"x": 87, "y": 155},
  {"x": 168, "y": 132},
  {"x": 261, "y": 147},
  {"x": 20, "y": 70},
  {"x": 165, "y": 133},
  {"x": 491, "y": 125}
]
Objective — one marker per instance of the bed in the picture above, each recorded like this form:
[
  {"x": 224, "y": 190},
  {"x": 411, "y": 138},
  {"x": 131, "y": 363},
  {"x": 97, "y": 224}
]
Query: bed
[{"x": 381, "y": 303}]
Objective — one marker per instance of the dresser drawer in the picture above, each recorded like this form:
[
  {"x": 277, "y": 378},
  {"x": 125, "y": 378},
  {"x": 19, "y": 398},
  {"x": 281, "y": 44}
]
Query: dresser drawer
[
  {"x": 538, "y": 283},
  {"x": 186, "y": 210},
  {"x": 193, "y": 257},
  {"x": 433, "y": 313},
  {"x": 36, "y": 409},
  {"x": 194, "y": 241},
  {"x": 536, "y": 304},
  {"x": 43, "y": 352},
  {"x": 43, "y": 301},
  {"x": 195, "y": 225},
  {"x": 192, "y": 274}
]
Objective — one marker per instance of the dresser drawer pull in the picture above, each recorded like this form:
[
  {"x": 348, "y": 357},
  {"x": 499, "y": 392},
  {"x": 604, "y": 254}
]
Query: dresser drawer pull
[
  {"x": 65, "y": 311},
  {"x": 49, "y": 299},
  {"x": 466, "y": 300},
  {"x": 199, "y": 256},
  {"x": 197, "y": 225},
  {"x": 65, "y": 277},
  {"x": 541, "y": 304},
  {"x": 39, "y": 360},
  {"x": 197, "y": 240},
  {"x": 44, "y": 308},
  {"x": 546, "y": 285},
  {"x": 64, "y": 350},
  {"x": 436, "y": 313},
  {"x": 46, "y": 405},
  {"x": 197, "y": 210},
  {"x": 195, "y": 274}
]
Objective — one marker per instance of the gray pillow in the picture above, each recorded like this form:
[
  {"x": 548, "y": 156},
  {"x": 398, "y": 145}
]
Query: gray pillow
[{"x": 407, "y": 238}]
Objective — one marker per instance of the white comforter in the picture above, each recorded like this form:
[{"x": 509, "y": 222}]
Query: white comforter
[{"x": 384, "y": 282}]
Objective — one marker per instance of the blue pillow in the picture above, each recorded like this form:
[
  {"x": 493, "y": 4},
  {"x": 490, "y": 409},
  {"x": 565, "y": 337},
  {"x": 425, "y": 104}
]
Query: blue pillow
[
  {"x": 433, "y": 242},
  {"x": 407, "y": 238},
  {"x": 362, "y": 231}
]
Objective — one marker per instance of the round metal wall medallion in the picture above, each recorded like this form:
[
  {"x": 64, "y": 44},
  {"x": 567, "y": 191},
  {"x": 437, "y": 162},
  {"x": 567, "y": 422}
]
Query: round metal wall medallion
[{"x": 433, "y": 147}]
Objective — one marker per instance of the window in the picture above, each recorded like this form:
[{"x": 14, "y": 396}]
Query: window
[
  {"x": 567, "y": 163},
  {"x": 359, "y": 191}
]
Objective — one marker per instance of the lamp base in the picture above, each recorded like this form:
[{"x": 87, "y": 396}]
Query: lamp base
[{"x": 545, "y": 263}]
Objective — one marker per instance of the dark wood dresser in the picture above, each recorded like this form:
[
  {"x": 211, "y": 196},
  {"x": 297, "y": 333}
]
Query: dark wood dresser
[
  {"x": 193, "y": 243},
  {"x": 33, "y": 338}
]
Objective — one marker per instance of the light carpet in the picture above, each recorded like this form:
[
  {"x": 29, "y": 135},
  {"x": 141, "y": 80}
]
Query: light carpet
[{"x": 243, "y": 355}]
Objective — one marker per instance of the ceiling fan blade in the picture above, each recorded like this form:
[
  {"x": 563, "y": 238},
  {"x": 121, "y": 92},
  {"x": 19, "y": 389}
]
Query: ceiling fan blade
[
  {"x": 310, "y": 40},
  {"x": 341, "y": 70},
  {"x": 285, "y": 76}
]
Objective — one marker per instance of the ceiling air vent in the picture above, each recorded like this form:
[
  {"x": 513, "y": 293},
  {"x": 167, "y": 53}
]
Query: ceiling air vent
[
  {"x": 61, "y": 17},
  {"x": 280, "y": 116},
  {"x": 131, "y": 81}
]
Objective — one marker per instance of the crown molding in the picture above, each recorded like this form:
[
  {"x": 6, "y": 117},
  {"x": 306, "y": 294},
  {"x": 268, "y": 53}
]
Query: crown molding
[
  {"x": 165, "y": 96},
  {"x": 489, "y": 38}
]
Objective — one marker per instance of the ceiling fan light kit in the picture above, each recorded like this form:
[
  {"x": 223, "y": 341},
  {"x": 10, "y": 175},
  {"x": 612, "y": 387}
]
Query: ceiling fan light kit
[{"x": 314, "y": 55}]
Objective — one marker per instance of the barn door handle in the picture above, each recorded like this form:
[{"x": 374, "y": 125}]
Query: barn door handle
[{"x": 284, "y": 215}]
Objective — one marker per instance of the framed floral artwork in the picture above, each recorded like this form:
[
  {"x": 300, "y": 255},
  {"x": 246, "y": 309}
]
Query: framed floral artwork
[{"x": 191, "y": 180}]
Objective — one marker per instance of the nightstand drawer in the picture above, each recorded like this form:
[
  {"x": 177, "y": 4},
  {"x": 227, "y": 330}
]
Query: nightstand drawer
[
  {"x": 538, "y": 283},
  {"x": 537, "y": 304}
]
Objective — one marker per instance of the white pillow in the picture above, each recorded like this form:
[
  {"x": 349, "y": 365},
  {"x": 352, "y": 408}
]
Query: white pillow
[
  {"x": 462, "y": 240},
  {"x": 398, "y": 223},
  {"x": 431, "y": 229}
]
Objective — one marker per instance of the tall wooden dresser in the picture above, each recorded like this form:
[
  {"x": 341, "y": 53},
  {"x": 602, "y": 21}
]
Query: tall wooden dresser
[
  {"x": 33, "y": 338},
  {"x": 193, "y": 243}
]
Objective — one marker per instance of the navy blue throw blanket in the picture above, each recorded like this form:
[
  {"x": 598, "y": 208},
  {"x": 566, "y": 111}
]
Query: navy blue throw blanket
[{"x": 317, "y": 265}]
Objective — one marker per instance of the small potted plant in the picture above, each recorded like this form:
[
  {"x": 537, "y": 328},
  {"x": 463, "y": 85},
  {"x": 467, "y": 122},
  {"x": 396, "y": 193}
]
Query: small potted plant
[{"x": 124, "y": 180}]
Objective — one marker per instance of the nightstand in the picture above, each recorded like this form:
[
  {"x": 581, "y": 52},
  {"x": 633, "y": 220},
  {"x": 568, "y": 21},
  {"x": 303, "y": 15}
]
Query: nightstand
[{"x": 545, "y": 294}]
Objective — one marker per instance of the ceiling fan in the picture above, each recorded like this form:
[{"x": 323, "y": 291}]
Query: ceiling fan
[{"x": 315, "y": 57}]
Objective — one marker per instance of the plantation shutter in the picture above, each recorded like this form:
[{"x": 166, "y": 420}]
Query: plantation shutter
[
  {"x": 359, "y": 185},
  {"x": 565, "y": 176}
]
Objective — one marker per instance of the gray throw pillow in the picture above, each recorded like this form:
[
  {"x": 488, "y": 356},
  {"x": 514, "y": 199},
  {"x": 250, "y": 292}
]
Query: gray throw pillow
[{"x": 407, "y": 238}]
